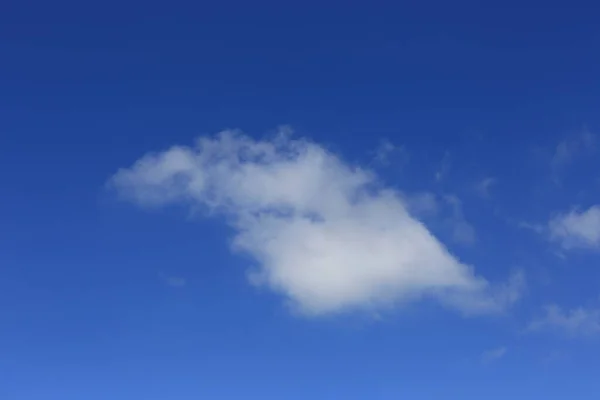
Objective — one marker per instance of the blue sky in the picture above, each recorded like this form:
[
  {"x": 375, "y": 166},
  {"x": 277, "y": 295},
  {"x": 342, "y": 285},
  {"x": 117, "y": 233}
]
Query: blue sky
[{"x": 318, "y": 201}]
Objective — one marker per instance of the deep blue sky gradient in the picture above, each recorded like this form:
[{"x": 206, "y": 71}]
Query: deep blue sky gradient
[{"x": 85, "y": 89}]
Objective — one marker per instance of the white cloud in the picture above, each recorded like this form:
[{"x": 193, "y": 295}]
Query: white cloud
[
  {"x": 387, "y": 150},
  {"x": 568, "y": 149},
  {"x": 462, "y": 231},
  {"x": 421, "y": 204},
  {"x": 492, "y": 355},
  {"x": 576, "y": 229},
  {"x": 574, "y": 322},
  {"x": 483, "y": 187},
  {"x": 324, "y": 234},
  {"x": 537, "y": 228}
]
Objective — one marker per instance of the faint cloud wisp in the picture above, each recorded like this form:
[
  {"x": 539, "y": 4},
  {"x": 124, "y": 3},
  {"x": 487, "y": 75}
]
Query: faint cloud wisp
[
  {"x": 492, "y": 355},
  {"x": 575, "y": 322}
]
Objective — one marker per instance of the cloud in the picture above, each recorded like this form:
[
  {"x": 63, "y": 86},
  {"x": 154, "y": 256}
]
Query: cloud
[
  {"x": 421, "y": 204},
  {"x": 444, "y": 168},
  {"x": 483, "y": 187},
  {"x": 173, "y": 281},
  {"x": 386, "y": 150},
  {"x": 576, "y": 229},
  {"x": 567, "y": 150},
  {"x": 537, "y": 228},
  {"x": 325, "y": 235},
  {"x": 492, "y": 355},
  {"x": 575, "y": 322},
  {"x": 462, "y": 231}
]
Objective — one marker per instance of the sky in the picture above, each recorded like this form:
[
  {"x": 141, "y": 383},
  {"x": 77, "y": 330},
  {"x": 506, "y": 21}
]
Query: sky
[{"x": 299, "y": 201}]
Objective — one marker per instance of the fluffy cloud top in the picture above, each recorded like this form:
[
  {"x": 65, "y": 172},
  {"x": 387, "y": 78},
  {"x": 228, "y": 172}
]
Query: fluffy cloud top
[
  {"x": 577, "y": 229},
  {"x": 324, "y": 234}
]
